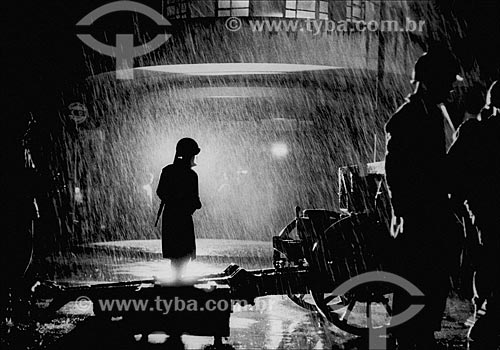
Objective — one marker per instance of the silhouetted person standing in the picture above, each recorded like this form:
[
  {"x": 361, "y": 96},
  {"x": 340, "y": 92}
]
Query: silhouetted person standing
[
  {"x": 475, "y": 101},
  {"x": 417, "y": 136},
  {"x": 178, "y": 191},
  {"x": 19, "y": 186},
  {"x": 475, "y": 161}
]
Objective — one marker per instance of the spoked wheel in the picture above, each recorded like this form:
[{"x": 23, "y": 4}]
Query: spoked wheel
[
  {"x": 355, "y": 314},
  {"x": 352, "y": 246}
]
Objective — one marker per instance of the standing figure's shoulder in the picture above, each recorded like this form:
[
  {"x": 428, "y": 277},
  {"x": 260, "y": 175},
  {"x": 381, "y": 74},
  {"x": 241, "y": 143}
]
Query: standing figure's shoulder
[
  {"x": 167, "y": 169},
  {"x": 193, "y": 173},
  {"x": 405, "y": 116},
  {"x": 470, "y": 128}
]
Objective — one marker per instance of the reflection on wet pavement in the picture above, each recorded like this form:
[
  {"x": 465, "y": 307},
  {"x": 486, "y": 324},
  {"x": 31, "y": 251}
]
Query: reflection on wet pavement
[
  {"x": 274, "y": 322},
  {"x": 161, "y": 269}
]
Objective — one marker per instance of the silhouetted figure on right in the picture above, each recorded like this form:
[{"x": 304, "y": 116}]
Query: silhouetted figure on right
[
  {"x": 474, "y": 159},
  {"x": 423, "y": 223},
  {"x": 474, "y": 104}
]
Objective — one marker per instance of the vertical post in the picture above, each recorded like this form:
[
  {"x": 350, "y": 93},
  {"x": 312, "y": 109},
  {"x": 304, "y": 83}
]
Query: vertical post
[
  {"x": 187, "y": 3},
  {"x": 381, "y": 45},
  {"x": 380, "y": 55},
  {"x": 367, "y": 49},
  {"x": 124, "y": 56},
  {"x": 251, "y": 10}
]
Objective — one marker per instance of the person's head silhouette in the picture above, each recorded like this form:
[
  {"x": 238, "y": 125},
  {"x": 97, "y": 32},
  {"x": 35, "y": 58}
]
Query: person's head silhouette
[
  {"x": 185, "y": 151},
  {"x": 436, "y": 71}
]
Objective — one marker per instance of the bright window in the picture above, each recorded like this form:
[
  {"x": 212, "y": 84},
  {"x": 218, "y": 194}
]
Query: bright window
[
  {"x": 177, "y": 8},
  {"x": 355, "y": 10},
  {"x": 268, "y": 8},
  {"x": 233, "y": 8},
  {"x": 202, "y": 8},
  {"x": 306, "y": 5},
  {"x": 306, "y": 9}
]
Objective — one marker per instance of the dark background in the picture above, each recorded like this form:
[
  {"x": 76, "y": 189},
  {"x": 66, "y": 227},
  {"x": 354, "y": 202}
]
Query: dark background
[
  {"x": 43, "y": 56},
  {"x": 43, "y": 60}
]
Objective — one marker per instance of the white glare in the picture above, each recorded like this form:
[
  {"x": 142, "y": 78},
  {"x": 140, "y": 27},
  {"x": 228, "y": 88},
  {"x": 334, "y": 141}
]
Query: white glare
[
  {"x": 279, "y": 149},
  {"x": 234, "y": 68}
]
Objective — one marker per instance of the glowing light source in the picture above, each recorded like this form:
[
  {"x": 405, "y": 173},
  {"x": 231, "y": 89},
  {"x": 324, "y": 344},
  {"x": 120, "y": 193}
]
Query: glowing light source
[
  {"x": 234, "y": 68},
  {"x": 279, "y": 149},
  {"x": 78, "y": 195}
]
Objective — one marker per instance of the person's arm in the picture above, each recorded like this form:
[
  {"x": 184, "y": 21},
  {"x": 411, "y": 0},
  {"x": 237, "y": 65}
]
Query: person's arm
[
  {"x": 163, "y": 184},
  {"x": 196, "y": 199},
  {"x": 457, "y": 163},
  {"x": 398, "y": 166}
]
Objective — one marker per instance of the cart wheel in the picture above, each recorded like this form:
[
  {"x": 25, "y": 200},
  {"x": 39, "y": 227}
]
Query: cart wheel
[
  {"x": 305, "y": 301},
  {"x": 351, "y": 246},
  {"x": 353, "y": 314}
]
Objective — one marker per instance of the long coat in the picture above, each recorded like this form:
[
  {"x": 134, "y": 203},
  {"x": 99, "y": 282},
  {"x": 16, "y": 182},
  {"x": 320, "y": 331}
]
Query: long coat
[
  {"x": 415, "y": 159},
  {"x": 475, "y": 160},
  {"x": 178, "y": 190},
  {"x": 417, "y": 178}
]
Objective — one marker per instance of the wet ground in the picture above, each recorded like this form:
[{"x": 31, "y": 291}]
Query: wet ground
[{"x": 275, "y": 322}]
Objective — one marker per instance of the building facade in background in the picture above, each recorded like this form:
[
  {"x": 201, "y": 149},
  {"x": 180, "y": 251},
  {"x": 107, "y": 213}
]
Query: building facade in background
[
  {"x": 317, "y": 9},
  {"x": 350, "y": 10},
  {"x": 384, "y": 50}
]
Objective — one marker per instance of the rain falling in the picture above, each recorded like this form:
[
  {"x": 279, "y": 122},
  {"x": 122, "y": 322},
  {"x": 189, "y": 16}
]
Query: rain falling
[{"x": 288, "y": 104}]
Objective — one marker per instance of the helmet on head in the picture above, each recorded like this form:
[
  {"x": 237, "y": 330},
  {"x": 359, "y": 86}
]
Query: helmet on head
[
  {"x": 186, "y": 147},
  {"x": 436, "y": 64}
]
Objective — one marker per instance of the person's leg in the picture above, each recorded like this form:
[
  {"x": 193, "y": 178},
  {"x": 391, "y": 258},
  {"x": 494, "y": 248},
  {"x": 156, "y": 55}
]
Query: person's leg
[
  {"x": 428, "y": 272},
  {"x": 175, "y": 265},
  {"x": 418, "y": 332},
  {"x": 404, "y": 266},
  {"x": 178, "y": 267},
  {"x": 485, "y": 332}
]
